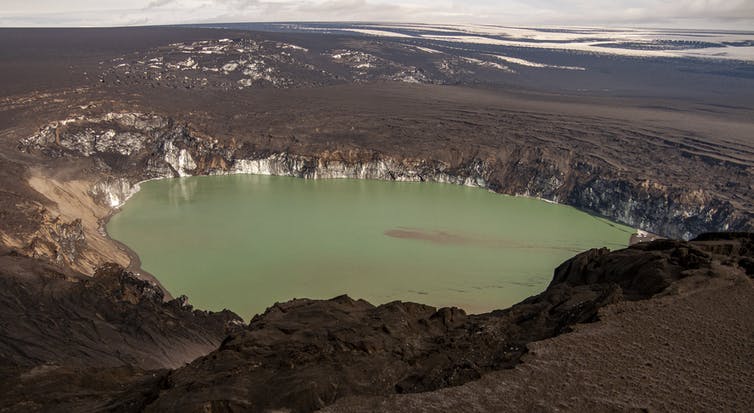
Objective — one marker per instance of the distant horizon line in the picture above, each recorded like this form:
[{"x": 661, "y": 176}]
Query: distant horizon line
[{"x": 395, "y": 23}]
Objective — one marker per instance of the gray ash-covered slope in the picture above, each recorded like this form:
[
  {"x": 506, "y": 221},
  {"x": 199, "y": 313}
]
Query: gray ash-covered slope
[
  {"x": 170, "y": 58},
  {"x": 306, "y": 354},
  {"x": 591, "y": 61}
]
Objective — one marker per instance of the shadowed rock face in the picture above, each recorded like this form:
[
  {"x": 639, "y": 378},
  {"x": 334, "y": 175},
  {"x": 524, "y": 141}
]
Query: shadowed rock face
[
  {"x": 303, "y": 354},
  {"x": 51, "y": 315},
  {"x": 641, "y": 271}
]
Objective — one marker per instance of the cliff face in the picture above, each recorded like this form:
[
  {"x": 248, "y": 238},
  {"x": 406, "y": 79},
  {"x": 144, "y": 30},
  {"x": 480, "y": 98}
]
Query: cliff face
[{"x": 131, "y": 147}]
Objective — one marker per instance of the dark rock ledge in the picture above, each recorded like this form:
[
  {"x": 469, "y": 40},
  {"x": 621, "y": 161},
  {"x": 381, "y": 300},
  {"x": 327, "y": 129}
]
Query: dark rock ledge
[{"x": 71, "y": 343}]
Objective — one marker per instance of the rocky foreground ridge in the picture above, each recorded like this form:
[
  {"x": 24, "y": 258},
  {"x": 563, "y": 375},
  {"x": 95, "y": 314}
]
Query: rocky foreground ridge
[{"x": 109, "y": 342}]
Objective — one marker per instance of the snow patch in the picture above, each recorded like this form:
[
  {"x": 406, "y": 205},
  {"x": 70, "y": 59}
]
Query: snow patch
[
  {"x": 528, "y": 63},
  {"x": 382, "y": 33},
  {"x": 485, "y": 63},
  {"x": 230, "y": 67}
]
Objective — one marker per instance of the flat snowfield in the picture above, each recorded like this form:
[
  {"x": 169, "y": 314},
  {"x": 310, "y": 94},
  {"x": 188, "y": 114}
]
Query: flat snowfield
[{"x": 711, "y": 44}]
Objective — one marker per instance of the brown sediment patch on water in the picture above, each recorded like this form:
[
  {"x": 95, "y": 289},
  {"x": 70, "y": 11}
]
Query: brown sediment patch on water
[
  {"x": 441, "y": 237},
  {"x": 437, "y": 237}
]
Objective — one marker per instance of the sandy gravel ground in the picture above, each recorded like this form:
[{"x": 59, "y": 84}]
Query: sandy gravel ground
[{"x": 689, "y": 351}]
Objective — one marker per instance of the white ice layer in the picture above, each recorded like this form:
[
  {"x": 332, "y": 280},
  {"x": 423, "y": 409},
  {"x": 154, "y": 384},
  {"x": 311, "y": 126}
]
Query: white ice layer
[
  {"x": 523, "y": 62},
  {"x": 179, "y": 159},
  {"x": 290, "y": 165},
  {"x": 114, "y": 192}
]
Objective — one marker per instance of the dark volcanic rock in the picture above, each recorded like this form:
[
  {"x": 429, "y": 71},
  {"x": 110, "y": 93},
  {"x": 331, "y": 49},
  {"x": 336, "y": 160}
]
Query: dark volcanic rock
[
  {"x": 73, "y": 347},
  {"x": 52, "y": 388},
  {"x": 641, "y": 271},
  {"x": 51, "y": 315},
  {"x": 71, "y": 238},
  {"x": 304, "y": 354}
]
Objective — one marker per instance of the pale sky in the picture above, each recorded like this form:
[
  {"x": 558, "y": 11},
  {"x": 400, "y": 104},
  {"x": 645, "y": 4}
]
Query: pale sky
[{"x": 718, "y": 14}]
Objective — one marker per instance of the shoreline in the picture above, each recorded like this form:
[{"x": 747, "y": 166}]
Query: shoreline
[
  {"x": 135, "y": 265},
  {"x": 638, "y": 233}
]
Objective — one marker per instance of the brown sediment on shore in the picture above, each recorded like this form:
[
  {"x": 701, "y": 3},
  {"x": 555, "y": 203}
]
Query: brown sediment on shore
[
  {"x": 70, "y": 229},
  {"x": 76, "y": 222}
]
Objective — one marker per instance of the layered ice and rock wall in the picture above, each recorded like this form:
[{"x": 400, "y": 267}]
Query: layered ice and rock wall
[
  {"x": 113, "y": 192},
  {"x": 284, "y": 164},
  {"x": 179, "y": 159},
  {"x": 160, "y": 149}
]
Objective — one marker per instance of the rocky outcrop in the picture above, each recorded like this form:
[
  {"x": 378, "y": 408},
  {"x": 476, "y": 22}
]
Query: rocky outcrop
[
  {"x": 642, "y": 271},
  {"x": 118, "y": 133},
  {"x": 63, "y": 242},
  {"x": 131, "y": 147},
  {"x": 70, "y": 238},
  {"x": 57, "y": 317},
  {"x": 113, "y": 192},
  {"x": 673, "y": 212},
  {"x": 305, "y": 354}
]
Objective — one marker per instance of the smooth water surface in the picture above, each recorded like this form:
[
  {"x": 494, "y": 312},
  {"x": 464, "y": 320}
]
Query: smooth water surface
[{"x": 244, "y": 242}]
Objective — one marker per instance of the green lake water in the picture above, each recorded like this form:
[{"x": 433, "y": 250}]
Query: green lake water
[{"x": 244, "y": 242}]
